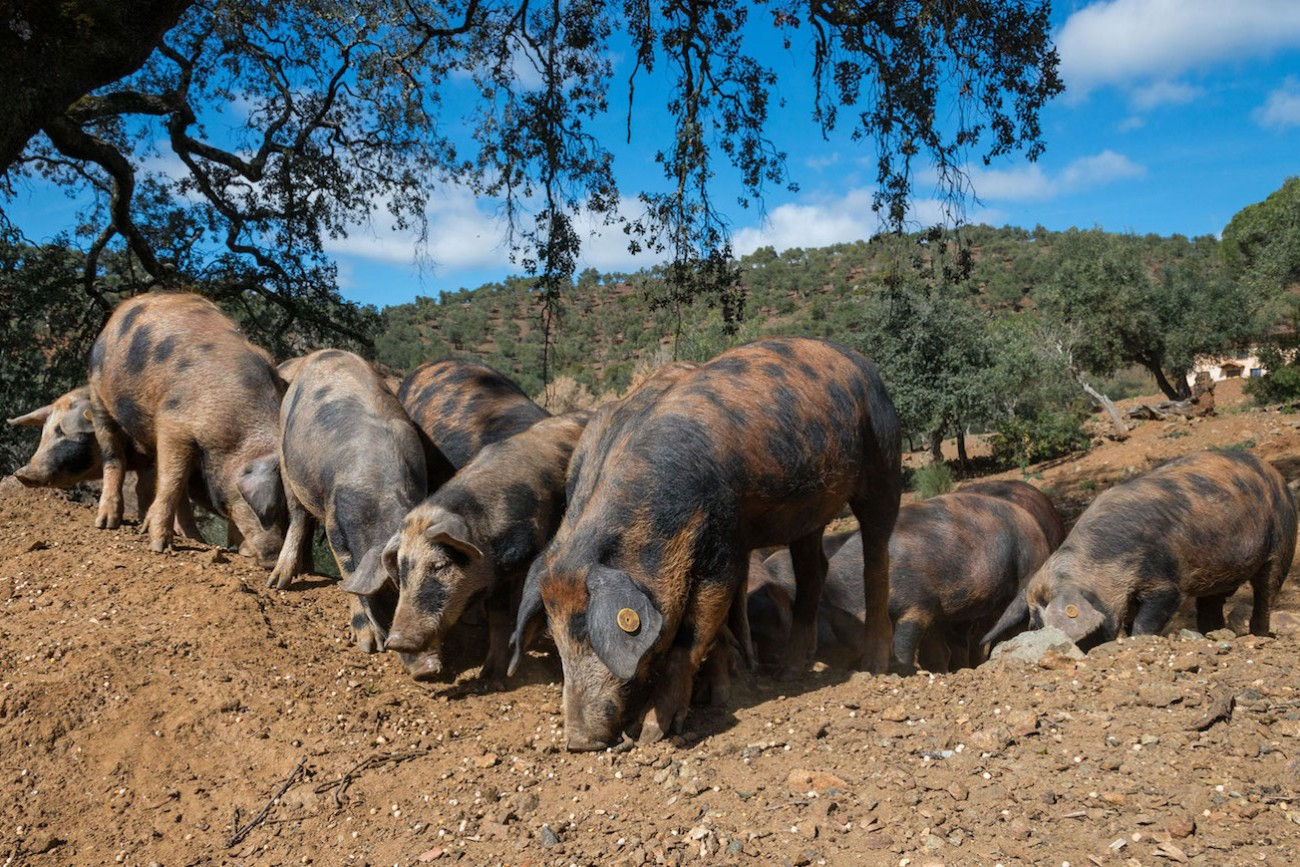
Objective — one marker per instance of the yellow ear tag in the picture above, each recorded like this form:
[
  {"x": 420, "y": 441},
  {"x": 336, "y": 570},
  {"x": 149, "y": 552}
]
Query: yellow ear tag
[
  {"x": 88, "y": 415},
  {"x": 1072, "y": 611},
  {"x": 628, "y": 620}
]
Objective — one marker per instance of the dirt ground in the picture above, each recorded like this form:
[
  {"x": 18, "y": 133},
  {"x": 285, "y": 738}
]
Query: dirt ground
[{"x": 152, "y": 705}]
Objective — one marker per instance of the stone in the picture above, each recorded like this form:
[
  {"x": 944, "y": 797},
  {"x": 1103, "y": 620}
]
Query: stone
[
  {"x": 547, "y": 836},
  {"x": 1034, "y": 645},
  {"x": 802, "y": 780}
]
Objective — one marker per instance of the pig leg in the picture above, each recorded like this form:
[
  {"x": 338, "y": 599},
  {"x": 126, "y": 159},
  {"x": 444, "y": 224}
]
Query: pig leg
[
  {"x": 706, "y": 612},
  {"x": 909, "y": 633},
  {"x": 185, "y": 524},
  {"x": 876, "y": 516},
  {"x": 738, "y": 624},
  {"x": 501, "y": 622},
  {"x": 234, "y": 538},
  {"x": 1264, "y": 588},
  {"x": 934, "y": 652},
  {"x": 144, "y": 485},
  {"x": 112, "y": 448},
  {"x": 296, "y": 540},
  {"x": 809, "y": 560},
  {"x": 1209, "y": 612},
  {"x": 363, "y": 635},
  {"x": 1155, "y": 610},
  {"x": 174, "y": 460}
]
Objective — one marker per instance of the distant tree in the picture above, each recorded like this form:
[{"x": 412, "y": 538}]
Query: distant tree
[{"x": 344, "y": 110}]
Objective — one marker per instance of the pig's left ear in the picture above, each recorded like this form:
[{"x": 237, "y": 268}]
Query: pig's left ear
[
  {"x": 369, "y": 576},
  {"x": 1073, "y": 615},
  {"x": 36, "y": 416},
  {"x": 452, "y": 531},
  {"x": 260, "y": 486},
  {"x": 531, "y": 612},
  {"x": 622, "y": 620}
]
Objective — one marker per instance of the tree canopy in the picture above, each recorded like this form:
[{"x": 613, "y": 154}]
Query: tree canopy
[{"x": 286, "y": 124}]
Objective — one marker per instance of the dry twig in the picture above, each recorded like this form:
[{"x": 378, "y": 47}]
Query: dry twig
[
  {"x": 240, "y": 834},
  {"x": 340, "y": 786}
]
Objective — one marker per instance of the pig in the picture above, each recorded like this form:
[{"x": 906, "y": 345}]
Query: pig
[
  {"x": 478, "y": 533},
  {"x": 351, "y": 458},
  {"x": 461, "y": 406},
  {"x": 68, "y": 454},
  {"x": 1198, "y": 526},
  {"x": 761, "y": 446},
  {"x": 954, "y": 562},
  {"x": 174, "y": 375},
  {"x": 1027, "y": 497},
  {"x": 288, "y": 369}
]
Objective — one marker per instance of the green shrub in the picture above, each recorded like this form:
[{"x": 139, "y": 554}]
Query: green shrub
[
  {"x": 1021, "y": 441},
  {"x": 932, "y": 480},
  {"x": 1281, "y": 385}
]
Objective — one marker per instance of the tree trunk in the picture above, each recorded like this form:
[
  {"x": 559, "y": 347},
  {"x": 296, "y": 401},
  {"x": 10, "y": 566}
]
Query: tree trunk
[
  {"x": 936, "y": 445},
  {"x": 1102, "y": 400},
  {"x": 1178, "y": 391},
  {"x": 961, "y": 448}
]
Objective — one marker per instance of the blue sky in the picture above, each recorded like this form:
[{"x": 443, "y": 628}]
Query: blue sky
[{"x": 1177, "y": 114}]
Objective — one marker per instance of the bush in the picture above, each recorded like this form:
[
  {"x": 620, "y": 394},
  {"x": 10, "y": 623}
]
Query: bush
[
  {"x": 1281, "y": 385},
  {"x": 566, "y": 394},
  {"x": 1020, "y": 441},
  {"x": 932, "y": 480}
]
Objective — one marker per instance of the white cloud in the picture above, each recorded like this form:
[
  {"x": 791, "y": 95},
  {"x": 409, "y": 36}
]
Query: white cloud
[
  {"x": 1124, "y": 42},
  {"x": 1148, "y": 96},
  {"x": 1029, "y": 182},
  {"x": 817, "y": 221},
  {"x": 1282, "y": 108},
  {"x": 819, "y": 163},
  {"x": 1131, "y": 123}
]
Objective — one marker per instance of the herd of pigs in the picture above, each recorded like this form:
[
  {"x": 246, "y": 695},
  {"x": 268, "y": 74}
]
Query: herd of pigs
[{"x": 661, "y": 541}]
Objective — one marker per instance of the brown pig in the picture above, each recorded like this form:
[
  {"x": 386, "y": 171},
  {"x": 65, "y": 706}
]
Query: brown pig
[
  {"x": 464, "y": 405},
  {"x": 1027, "y": 497},
  {"x": 67, "y": 453},
  {"x": 761, "y": 446},
  {"x": 478, "y": 533},
  {"x": 1197, "y": 526},
  {"x": 174, "y": 375},
  {"x": 351, "y": 458}
]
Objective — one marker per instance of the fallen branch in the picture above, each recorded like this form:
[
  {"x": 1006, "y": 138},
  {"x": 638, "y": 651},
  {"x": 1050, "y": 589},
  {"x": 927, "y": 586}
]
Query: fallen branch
[
  {"x": 240, "y": 834},
  {"x": 340, "y": 786}
]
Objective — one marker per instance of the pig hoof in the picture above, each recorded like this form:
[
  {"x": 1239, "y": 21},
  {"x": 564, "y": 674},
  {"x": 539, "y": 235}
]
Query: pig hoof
[
  {"x": 281, "y": 581},
  {"x": 364, "y": 639}
]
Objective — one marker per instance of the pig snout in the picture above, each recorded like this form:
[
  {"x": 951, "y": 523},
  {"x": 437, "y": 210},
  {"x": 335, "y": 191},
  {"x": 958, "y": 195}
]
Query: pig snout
[
  {"x": 29, "y": 477},
  {"x": 420, "y": 666}
]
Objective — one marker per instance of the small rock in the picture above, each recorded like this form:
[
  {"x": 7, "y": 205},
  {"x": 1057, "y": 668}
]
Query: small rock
[
  {"x": 958, "y": 792},
  {"x": 993, "y": 739},
  {"x": 801, "y": 780},
  {"x": 1018, "y": 829},
  {"x": 1022, "y": 723},
  {"x": 1159, "y": 694},
  {"x": 1181, "y": 826},
  {"x": 1221, "y": 635},
  {"x": 526, "y": 803},
  {"x": 894, "y": 713},
  {"x": 39, "y": 844},
  {"x": 547, "y": 836},
  {"x": 431, "y": 855},
  {"x": 1190, "y": 635},
  {"x": 217, "y": 556},
  {"x": 487, "y": 760}
]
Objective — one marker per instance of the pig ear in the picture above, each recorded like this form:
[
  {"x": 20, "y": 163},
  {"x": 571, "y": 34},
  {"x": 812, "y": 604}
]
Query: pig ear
[
  {"x": 260, "y": 486},
  {"x": 530, "y": 613},
  {"x": 36, "y": 416},
  {"x": 1073, "y": 615},
  {"x": 389, "y": 556},
  {"x": 622, "y": 620},
  {"x": 452, "y": 531},
  {"x": 1015, "y": 614},
  {"x": 370, "y": 576}
]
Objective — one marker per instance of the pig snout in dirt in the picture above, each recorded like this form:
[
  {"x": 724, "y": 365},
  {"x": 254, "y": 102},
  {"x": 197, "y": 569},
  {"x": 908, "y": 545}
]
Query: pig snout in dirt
[
  {"x": 1197, "y": 526},
  {"x": 67, "y": 452},
  {"x": 175, "y": 375},
  {"x": 654, "y": 547},
  {"x": 479, "y": 534}
]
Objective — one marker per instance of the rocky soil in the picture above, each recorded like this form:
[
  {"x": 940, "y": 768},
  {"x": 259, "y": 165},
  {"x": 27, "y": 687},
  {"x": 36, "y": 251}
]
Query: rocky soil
[{"x": 151, "y": 706}]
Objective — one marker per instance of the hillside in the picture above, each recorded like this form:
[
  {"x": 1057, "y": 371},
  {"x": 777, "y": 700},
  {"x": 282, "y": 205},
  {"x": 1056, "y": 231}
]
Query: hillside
[
  {"x": 610, "y": 323},
  {"x": 150, "y": 704}
]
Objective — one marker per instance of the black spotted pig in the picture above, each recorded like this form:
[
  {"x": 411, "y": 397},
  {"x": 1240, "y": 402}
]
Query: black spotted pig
[
  {"x": 173, "y": 374},
  {"x": 761, "y": 446},
  {"x": 1199, "y": 526},
  {"x": 478, "y": 533},
  {"x": 954, "y": 562},
  {"x": 464, "y": 405},
  {"x": 68, "y": 454},
  {"x": 1027, "y": 497},
  {"x": 350, "y": 458}
]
